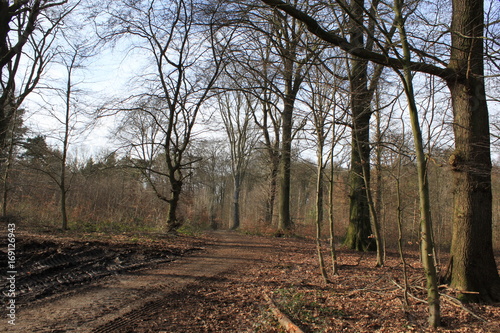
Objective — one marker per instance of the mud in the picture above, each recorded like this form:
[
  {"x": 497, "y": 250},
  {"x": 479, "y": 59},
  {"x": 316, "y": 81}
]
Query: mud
[
  {"x": 47, "y": 267},
  {"x": 77, "y": 286}
]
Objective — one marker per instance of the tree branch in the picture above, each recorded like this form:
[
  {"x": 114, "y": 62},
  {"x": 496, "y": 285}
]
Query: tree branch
[{"x": 315, "y": 28}]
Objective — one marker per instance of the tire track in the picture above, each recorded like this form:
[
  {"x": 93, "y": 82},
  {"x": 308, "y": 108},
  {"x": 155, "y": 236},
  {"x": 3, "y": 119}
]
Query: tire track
[{"x": 123, "y": 300}]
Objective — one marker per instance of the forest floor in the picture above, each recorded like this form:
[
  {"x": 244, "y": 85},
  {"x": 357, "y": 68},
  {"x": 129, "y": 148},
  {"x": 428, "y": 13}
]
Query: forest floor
[{"x": 217, "y": 282}]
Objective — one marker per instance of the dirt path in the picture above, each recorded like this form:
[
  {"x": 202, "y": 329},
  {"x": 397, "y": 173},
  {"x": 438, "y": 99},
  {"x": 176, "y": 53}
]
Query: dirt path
[
  {"x": 123, "y": 300},
  {"x": 219, "y": 288}
]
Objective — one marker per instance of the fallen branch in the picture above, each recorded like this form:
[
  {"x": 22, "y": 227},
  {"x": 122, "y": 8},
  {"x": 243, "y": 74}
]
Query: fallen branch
[
  {"x": 284, "y": 321},
  {"x": 452, "y": 300}
]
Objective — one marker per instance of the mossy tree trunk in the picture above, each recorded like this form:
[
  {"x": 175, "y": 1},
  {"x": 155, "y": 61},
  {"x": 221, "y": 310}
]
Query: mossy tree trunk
[{"x": 359, "y": 231}]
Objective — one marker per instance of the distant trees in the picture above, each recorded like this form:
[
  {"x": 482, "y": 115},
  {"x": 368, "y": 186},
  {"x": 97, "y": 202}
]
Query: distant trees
[
  {"x": 277, "y": 54},
  {"x": 179, "y": 81},
  {"x": 236, "y": 110},
  {"x": 256, "y": 73},
  {"x": 14, "y": 138},
  {"x": 53, "y": 165}
]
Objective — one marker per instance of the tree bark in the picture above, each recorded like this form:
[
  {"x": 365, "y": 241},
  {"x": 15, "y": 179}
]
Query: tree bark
[
  {"x": 173, "y": 222},
  {"x": 359, "y": 231},
  {"x": 472, "y": 264},
  {"x": 285, "y": 220},
  {"x": 236, "y": 202}
]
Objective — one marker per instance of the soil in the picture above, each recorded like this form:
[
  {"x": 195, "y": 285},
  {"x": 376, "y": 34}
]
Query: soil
[{"x": 216, "y": 282}]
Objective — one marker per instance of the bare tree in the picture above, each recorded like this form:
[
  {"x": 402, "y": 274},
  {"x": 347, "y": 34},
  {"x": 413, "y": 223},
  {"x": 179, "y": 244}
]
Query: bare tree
[
  {"x": 27, "y": 30},
  {"x": 186, "y": 52},
  {"x": 426, "y": 232},
  {"x": 236, "y": 110},
  {"x": 72, "y": 56},
  {"x": 321, "y": 98}
]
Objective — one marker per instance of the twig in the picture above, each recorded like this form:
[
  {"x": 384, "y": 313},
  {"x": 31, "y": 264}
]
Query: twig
[
  {"x": 284, "y": 321},
  {"x": 452, "y": 300},
  {"x": 366, "y": 287},
  {"x": 409, "y": 294}
]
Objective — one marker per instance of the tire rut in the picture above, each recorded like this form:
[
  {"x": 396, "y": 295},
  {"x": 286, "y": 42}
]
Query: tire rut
[
  {"x": 123, "y": 300},
  {"x": 50, "y": 268}
]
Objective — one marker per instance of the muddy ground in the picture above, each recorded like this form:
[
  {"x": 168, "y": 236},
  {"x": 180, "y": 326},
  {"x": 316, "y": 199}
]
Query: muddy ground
[{"x": 216, "y": 283}]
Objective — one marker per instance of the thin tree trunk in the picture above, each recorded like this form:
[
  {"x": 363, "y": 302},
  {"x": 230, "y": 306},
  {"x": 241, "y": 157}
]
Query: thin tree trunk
[
  {"x": 379, "y": 226},
  {"x": 376, "y": 224},
  {"x": 285, "y": 220},
  {"x": 62, "y": 178},
  {"x": 426, "y": 238},
  {"x": 331, "y": 198},
  {"x": 319, "y": 204},
  {"x": 400, "y": 233}
]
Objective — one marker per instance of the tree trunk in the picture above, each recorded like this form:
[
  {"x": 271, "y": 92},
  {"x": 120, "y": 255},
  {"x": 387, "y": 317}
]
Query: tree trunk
[
  {"x": 173, "y": 222},
  {"x": 285, "y": 220},
  {"x": 331, "y": 213},
  {"x": 319, "y": 202},
  {"x": 271, "y": 195},
  {"x": 64, "y": 213},
  {"x": 359, "y": 231},
  {"x": 291, "y": 89},
  {"x": 236, "y": 202},
  {"x": 472, "y": 265}
]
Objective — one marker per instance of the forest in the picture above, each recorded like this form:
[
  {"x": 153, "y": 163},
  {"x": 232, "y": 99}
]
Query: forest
[{"x": 369, "y": 125}]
